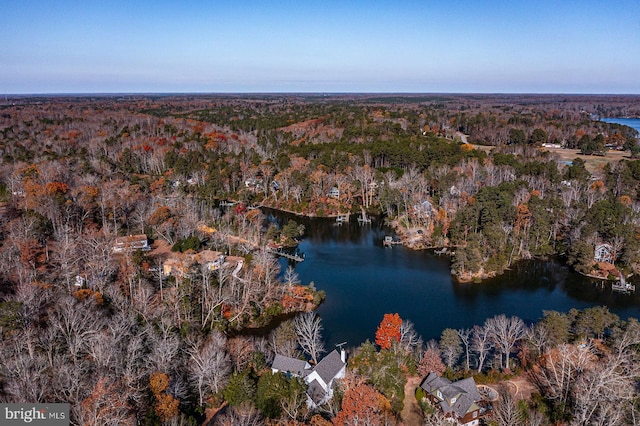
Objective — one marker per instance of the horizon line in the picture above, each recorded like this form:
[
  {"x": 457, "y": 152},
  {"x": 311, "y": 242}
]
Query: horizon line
[{"x": 316, "y": 93}]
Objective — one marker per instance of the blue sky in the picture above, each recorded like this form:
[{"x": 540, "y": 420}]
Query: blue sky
[{"x": 477, "y": 46}]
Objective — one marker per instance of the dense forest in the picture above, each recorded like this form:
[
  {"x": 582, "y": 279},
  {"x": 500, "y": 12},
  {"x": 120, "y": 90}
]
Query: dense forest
[{"x": 136, "y": 261}]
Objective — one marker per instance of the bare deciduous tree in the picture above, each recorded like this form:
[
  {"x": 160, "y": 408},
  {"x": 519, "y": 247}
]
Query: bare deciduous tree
[
  {"x": 409, "y": 337},
  {"x": 505, "y": 333},
  {"x": 465, "y": 338},
  {"x": 481, "y": 344},
  {"x": 309, "y": 331},
  {"x": 505, "y": 410},
  {"x": 283, "y": 340},
  {"x": 164, "y": 346},
  {"x": 209, "y": 365},
  {"x": 559, "y": 369}
]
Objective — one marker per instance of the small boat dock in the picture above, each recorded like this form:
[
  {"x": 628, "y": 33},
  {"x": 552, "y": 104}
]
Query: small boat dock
[
  {"x": 623, "y": 287},
  {"x": 363, "y": 218},
  {"x": 298, "y": 257},
  {"x": 444, "y": 250},
  {"x": 342, "y": 219},
  {"x": 390, "y": 242}
]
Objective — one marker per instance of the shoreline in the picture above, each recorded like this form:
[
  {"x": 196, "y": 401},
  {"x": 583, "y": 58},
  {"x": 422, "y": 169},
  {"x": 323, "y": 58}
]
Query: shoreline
[{"x": 418, "y": 243}]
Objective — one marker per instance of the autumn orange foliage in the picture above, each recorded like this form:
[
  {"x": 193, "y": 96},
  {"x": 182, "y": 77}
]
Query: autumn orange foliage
[
  {"x": 388, "y": 331},
  {"x": 296, "y": 298},
  {"x": 54, "y": 188},
  {"x": 85, "y": 293},
  {"x": 625, "y": 200},
  {"x": 362, "y": 404},
  {"x": 523, "y": 217},
  {"x": 105, "y": 402},
  {"x": 166, "y": 405},
  {"x": 158, "y": 382},
  {"x": 597, "y": 185}
]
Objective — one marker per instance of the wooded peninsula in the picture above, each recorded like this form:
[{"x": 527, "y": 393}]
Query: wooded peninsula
[{"x": 135, "y": 256}]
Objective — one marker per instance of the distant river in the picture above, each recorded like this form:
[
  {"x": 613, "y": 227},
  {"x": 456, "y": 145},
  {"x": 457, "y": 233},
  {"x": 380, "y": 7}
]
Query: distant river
[
  {"x": 364, "y": 280},
  {"x": 631, "y": 122}
]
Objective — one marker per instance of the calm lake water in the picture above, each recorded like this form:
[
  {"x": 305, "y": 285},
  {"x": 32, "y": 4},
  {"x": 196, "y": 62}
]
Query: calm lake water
[
  {"x": 631, "y": 122},
  {"x": 364, "y": 280}
]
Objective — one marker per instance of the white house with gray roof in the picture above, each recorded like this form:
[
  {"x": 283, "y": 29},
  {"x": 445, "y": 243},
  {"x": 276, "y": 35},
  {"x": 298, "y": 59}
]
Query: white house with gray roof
[
  {"x": 290, "y": 366},
  {"x": 320, "y": 379}
]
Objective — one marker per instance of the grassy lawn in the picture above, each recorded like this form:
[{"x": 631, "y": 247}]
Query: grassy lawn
[{"x": 592, "y": 162}]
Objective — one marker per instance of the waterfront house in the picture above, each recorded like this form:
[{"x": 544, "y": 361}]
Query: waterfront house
[
  {"x": 458, "y": 400},
  {"x": 334, "y": 192},
  {"x": 179, "y": 264},
  {"x": 320, "y": 379},
  {"x": 423, "y": 209},
  {"x": 603, "y": 253},
  {"x": 130, "y": 243},
  {"x": 290, "y": 366}
]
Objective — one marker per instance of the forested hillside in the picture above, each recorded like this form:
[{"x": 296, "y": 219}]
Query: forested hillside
[{"x": 134, "y": 261}]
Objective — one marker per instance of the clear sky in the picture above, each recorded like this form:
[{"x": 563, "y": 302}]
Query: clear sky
[{"x": 506, "y": 46}]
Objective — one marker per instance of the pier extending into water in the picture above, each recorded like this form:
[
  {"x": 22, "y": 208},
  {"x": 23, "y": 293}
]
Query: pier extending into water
[
  {"x": 390, "y": 241},
  {"x": 623, "y": 286},
  {"x": 282, "y": 253}
]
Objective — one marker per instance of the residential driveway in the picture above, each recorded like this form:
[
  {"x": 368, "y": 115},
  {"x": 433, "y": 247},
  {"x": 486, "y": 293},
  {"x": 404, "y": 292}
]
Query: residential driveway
[{"x": 411, "y": 413}]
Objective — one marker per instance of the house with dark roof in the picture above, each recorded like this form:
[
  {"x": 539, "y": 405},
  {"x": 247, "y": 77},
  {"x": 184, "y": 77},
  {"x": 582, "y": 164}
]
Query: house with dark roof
[
  {"x": 458, "y": 400},
  {"x": 290, "y": 366},
  {"x": 320, "y": 379}
]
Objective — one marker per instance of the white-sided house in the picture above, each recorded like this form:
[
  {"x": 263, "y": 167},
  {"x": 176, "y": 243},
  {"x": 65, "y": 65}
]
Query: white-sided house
[
  {"x": 320, "y": 379},
  {"x": 131, "y": 242},
  {"x": 290, "y": 366},
  {"x": 603, "y": 253},
  {"x": 334, "y": 192},
  {"x": 423, "y": 209}
]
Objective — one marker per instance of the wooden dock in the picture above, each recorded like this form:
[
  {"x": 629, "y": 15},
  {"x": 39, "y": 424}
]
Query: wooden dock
[
  {"x": 282, "y": 253},
  {"x": 363, "y": 218},
  {"x": 390, "y": 242},
  {"x": 623, "y": 287},
  {"x": 444, "y": 250},
  {"x": 342, "y": 218}
]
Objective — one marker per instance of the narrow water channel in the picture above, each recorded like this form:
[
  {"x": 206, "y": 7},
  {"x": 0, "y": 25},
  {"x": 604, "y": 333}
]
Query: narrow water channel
[{"x": 364, "y": 280}]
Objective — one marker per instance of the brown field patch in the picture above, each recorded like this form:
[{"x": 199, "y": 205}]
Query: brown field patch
[{"x": 592, "y": 162}]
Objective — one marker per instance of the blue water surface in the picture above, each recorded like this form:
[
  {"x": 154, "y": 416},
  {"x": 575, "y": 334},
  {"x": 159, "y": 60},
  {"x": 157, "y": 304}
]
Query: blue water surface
[{"x": 364, "y": 280}]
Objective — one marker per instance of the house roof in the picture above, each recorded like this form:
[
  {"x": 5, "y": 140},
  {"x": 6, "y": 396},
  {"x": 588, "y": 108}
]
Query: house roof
[
  {"x": 207, "y": 256},
  {"x": 469, "y": 387},
  {"x": 290, "y": 365},
  {"x": 329, "y": 367},
  {"x": 131, "y": 242},
  {"x": 464, "y": 391},
  {"x": 131, "y": 238},
  {"x": 434, "y": 382},
  {"x": 316, "y": 392}
]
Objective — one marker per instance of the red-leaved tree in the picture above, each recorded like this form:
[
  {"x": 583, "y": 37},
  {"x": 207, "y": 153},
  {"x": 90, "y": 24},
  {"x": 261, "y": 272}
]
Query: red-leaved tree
[
  {"x": 362, "y": 405},
  {"x": 388, "y": 331}
]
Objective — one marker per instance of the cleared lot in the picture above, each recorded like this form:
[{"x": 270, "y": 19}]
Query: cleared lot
[{"x": 592, "y": 162}]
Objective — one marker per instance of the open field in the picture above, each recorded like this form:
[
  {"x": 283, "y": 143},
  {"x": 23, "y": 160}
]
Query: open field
[{"x": 592, "y": 162}]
